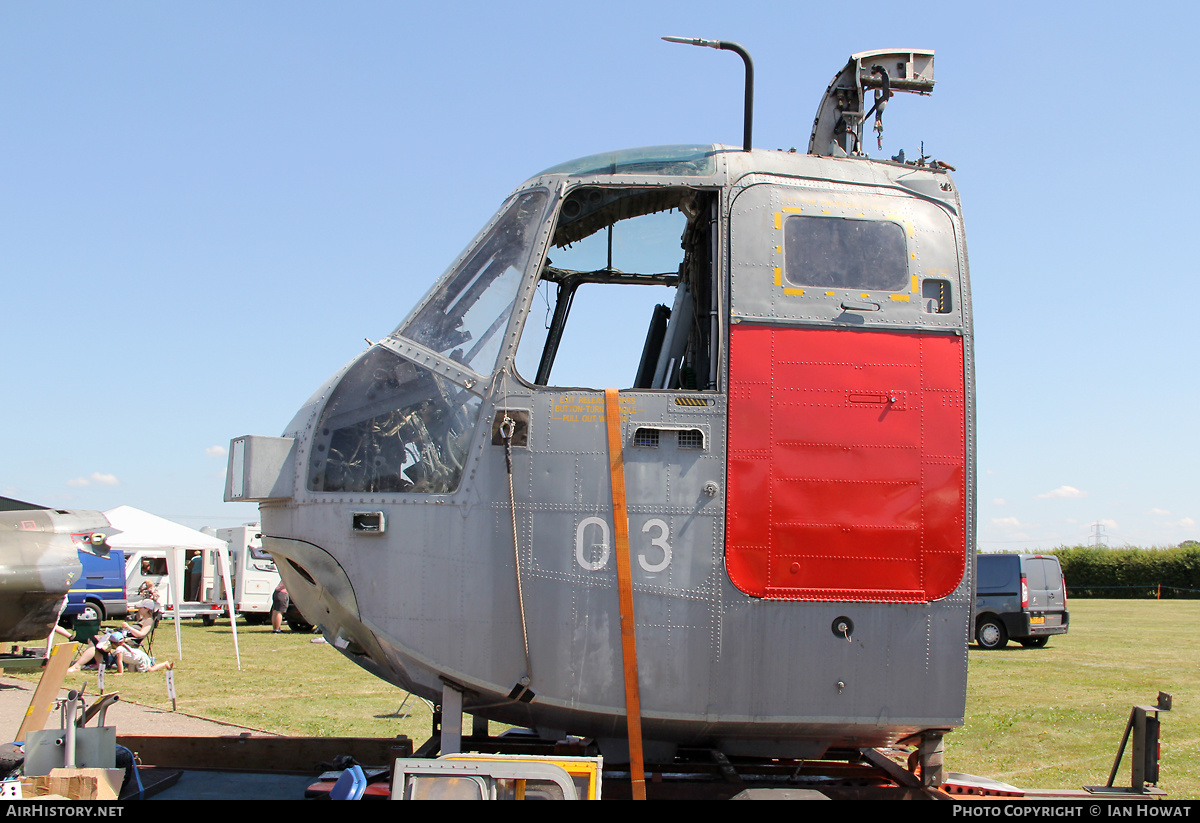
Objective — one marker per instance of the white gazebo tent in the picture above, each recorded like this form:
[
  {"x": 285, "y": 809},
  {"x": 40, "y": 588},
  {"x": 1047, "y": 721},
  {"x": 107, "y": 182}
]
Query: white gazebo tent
[{"x": 142, "y": 531}]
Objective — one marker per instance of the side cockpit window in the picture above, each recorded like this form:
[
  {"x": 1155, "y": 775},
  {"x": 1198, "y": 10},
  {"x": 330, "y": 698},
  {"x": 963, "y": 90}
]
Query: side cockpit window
[
  {"x": 392, "y": 426},
  {"x": 626, "y": 294}
]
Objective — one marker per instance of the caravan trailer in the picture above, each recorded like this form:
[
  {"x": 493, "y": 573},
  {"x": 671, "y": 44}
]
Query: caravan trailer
[
  {"x": 193, "y": 579},
  {"x": 198, "y": 586},
  {"x": 254, "y": 574}
]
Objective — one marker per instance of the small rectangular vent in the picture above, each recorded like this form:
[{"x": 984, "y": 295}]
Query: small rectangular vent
[
  {"x": 691, "y": 439},
  {"x": 646, "y": 438}
]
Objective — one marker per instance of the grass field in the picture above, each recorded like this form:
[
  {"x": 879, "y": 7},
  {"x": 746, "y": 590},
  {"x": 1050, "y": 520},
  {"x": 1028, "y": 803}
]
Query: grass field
[
  {"x": 1036, "y": 718},
  {"x": 1053, "y": 717}
]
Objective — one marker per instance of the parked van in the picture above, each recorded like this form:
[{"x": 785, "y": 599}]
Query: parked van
[
  {"x": 101, "y": 586},
  {"x": 1022, "y": 597}
]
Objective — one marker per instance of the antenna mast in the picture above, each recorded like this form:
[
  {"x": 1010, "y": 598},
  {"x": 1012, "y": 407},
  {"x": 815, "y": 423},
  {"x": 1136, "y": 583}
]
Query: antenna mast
[{"x": 725, "y": 45}]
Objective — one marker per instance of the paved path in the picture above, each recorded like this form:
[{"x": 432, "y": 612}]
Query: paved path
[
  {"x": 129, "y": 718},
  {"x": 132, "y": 719}
]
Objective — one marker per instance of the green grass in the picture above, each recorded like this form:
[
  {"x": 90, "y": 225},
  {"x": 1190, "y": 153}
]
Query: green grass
[
  {"x": 1036, "y": 718},
  {"x": 1053, "y": 717},
  {"x": 287, "y": 684}
]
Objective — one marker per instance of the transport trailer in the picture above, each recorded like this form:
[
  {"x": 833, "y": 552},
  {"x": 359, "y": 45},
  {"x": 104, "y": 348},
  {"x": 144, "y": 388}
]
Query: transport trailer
[
  {"x": 692, "y": 774},
  {"x": 517, "y": 764}
]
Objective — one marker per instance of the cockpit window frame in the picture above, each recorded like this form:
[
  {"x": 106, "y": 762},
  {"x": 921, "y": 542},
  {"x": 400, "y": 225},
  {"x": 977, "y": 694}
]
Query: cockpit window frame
[{"x": 709, "y": 194}]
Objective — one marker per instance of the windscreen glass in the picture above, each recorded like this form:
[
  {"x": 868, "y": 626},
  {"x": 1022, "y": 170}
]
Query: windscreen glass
[
  {"x": 665, "y": 160},
  {"x": 466, "y": 315}
]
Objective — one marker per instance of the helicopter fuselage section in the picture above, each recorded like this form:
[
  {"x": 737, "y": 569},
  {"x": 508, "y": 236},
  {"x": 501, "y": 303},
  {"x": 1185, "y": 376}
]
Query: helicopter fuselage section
[{"x": 797, "y": 448}]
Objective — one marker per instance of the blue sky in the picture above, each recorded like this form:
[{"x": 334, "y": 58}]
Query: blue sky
[{"x": 205, "y": 208}]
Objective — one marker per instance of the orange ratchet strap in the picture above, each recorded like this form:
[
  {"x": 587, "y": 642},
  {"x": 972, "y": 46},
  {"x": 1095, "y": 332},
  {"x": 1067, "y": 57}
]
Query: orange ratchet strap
[{"x": 633, "y": 701}]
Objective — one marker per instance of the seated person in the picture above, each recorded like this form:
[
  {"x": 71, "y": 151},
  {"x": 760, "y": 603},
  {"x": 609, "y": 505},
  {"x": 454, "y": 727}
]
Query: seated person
[
  {"x": 148, "y": 613},
  {"x": 137, "y": 658},
  {"x": 99, "y": 650}
]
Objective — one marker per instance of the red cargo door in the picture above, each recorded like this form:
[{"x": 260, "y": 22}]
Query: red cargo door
[{"x": 846, "y": 469}]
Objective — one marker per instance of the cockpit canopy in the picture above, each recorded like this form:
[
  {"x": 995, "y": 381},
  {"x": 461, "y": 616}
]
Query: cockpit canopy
[{"x": 401, "y": 417}]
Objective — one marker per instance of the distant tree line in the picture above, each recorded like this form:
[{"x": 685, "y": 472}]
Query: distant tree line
[{"x": 1131, "y": 572}]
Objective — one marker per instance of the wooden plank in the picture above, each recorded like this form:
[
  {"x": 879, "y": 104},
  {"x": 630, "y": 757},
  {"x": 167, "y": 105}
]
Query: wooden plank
[
  {"x": 47, "y": 689},
  {"x": 285, "y": 754}
]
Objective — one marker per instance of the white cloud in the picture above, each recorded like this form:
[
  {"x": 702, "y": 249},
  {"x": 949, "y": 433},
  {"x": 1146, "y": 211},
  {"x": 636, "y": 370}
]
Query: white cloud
[
  {"x": 1006, "y": 521},
  {"x": 1188, "y": 522},
  {"x": 97, "y": 478},
  {"x": 999, "y": 501},
  {"x": 215, "y": 451},
  {"x": 1159, "y": 512},
  {"x": 1063, "y": 491}
]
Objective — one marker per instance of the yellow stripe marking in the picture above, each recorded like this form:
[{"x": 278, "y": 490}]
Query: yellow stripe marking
[{"x": 908, "y": 227}]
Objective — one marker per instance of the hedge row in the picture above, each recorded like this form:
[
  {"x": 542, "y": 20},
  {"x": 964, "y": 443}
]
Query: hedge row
[{"x": 1131, "y": 572}]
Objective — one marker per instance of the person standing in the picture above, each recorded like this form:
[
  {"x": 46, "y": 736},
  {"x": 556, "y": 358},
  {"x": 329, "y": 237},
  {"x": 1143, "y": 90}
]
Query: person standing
[
  {"x": 195, "y": 574},
  {"x": 279, "y": 607}
]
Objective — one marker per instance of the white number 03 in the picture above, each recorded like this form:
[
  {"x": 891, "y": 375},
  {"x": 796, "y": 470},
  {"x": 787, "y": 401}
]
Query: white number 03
[{"x": 660, "y": 542}]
